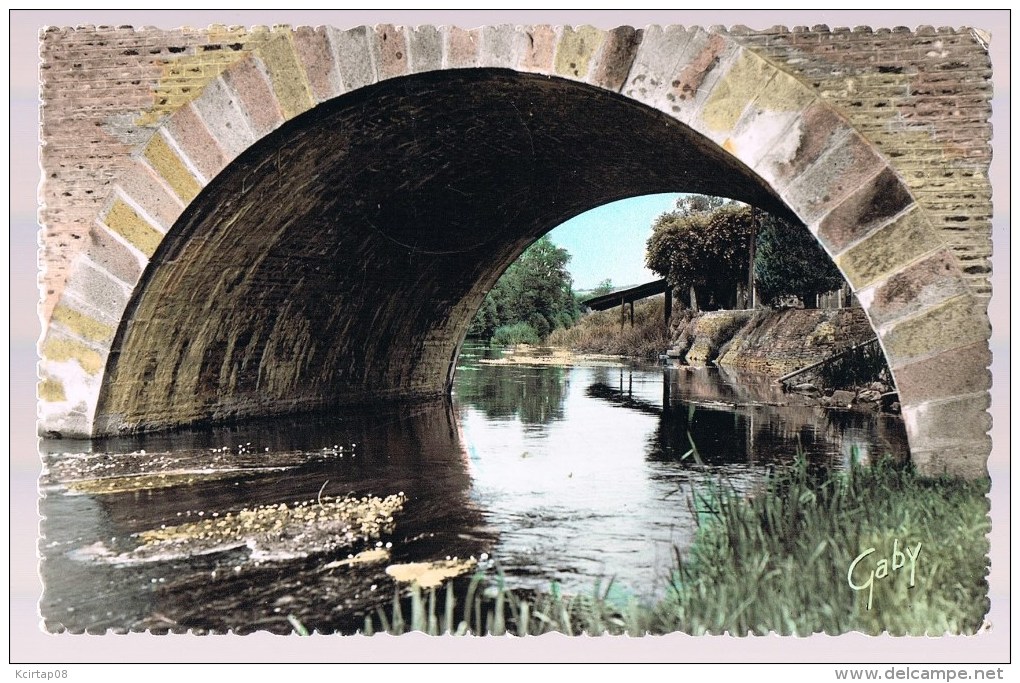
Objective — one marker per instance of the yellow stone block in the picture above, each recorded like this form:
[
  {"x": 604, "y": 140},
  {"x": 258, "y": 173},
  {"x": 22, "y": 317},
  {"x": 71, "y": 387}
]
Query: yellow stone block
[
  {"x": 126, "y": 222},
  {"x": 576, "y": 49},
  {"x": 953, "y": 324},
  {"x": 166, "y": 162},
  {"x": 734, "y": 92},
  {"x": 62, "y": 349},
  {"x": 888, "y": 250},
  {"x": 81, "y": 324},
  {"x": 51, "y": 390},
  {"x": 290, "y": 83}
]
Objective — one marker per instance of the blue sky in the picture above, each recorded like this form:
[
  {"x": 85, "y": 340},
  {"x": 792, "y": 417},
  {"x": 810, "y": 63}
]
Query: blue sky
[{"x": 609, "y": 241}]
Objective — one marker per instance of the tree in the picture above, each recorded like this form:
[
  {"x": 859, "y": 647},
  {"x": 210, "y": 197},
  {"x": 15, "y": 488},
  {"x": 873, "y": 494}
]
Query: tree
[
  {"x": 704, "y": 244},
  {"x": 705, "y": 248},
  {"x": 602, "y": 288},
  {"x": 789, "y": 261},
  {"x": 536, "y": 289}
]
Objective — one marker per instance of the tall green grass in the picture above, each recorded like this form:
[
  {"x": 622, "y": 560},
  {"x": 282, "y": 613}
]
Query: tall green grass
[
  {"x": 518, "y": 333},
  {"x": 778, "y": 562},
  {"x": 774, "y": 562}
]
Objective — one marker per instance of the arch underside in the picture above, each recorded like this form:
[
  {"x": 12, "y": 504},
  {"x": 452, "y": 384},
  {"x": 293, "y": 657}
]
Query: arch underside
[{"x": 340, "y": 259}]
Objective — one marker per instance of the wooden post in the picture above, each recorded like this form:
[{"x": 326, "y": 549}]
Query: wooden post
[
  {"x": 752, "y": 299},
  {"x": 623, "y": 312},
  {"x": 632, "y": 314}
]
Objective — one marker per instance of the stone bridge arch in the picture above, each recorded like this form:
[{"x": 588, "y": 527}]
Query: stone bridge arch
[{"x": 217, "y": 282}]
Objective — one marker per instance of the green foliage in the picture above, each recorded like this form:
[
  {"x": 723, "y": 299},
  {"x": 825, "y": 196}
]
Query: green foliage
[
  {"x": 602, "y": 288},
  {"x": 776, "y": 561},
  {"x": 789, "y": 261},
  {"x": 536, "y": 290},
  {"x": 600, "y": 332},
  {"x": 705, "y": 243},
  {"x": 861, "y": 366},
  {"x": 707, "y": 249},
  {"x": 518, "y": 333}
]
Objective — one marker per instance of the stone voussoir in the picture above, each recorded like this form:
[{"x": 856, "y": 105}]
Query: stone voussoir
[
  {"x": 950, "y": 436},
  {"x": 318, "y": 61},
  {"x": 250, "y": 82},
  {"x": 220, "y": 111},
  {"x": 920, "y": 285},
  {"x": 927, "y": 379},
  {"x": 887, "y": 250},
  {"x": 948, "y": 325},
  {"x": 847, "y": 163},
  {"x": 353, "y": 55}
]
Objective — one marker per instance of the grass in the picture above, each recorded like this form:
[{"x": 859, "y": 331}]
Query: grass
[
  {"x": 518, "y": 333},
  {"x": 600, "y": 332},
  {"x": 776, "y": 562}
]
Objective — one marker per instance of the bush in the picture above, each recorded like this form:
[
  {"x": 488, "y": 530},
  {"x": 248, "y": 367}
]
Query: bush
[
  {"x": 600, "y": 332},
  {"x": 518, "y": 333},
  {"x": 859, "y": 367}
]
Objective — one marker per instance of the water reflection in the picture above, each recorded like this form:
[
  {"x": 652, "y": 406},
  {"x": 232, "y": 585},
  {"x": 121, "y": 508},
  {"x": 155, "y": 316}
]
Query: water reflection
[
  {"x": 567, "y": 475},
  {"x": 417, "y": 452},
  {"x": 601, "y": 491}
]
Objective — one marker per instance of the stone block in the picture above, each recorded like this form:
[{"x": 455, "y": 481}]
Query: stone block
[
  {"x": 106, "y": 251},
  {"x": 51, "y": 390},
  {"x": 285, "y": 73},
  {"x": 817, "y": 129},
  {"x": 920, "y": 285},
  {"x": 462, "y": 47},
  {"x": 352, "y": 51},
  {"x": 165, "y": 161},
  {"x": 61, "y": 348},
  {"x": 888, "y": 250},
  {"x": 425, "y": 48},
  {"x": 97, "y": 287},
  {"x": 250, "y": 82},
  {"x": 617, "y": 57},
  {"x": 676, "y": 69},
  {"x": 842, "y": 398},
  {"x": 502, "y": 46},
  {"x": 733, "y": 93},
  {"x": 540, "y": 49},
  {"x": 765, "y": 126},
  {"x": 82, "y": 325},
  {"x": 576, "y": 49},
  {"x": 877, "y": 202},
  {"x": 315, "y": 52},
  {"x": 220, "y": 110},
  {"x": 955, "y": 323},
  {"x": 951, "y": 373},
  {"x": 846, "y": 165},
  {"x": 122, "y": 219},
  {"x": 950, "y": 437},
  {"x": 194, "y": 139},
  {"x": 390, "y": 50}
]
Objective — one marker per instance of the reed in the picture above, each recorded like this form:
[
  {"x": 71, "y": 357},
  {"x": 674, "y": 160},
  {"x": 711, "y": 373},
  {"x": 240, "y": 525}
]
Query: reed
[
  {"x": 775, "y": 562},
  {"x": 600, "y": 332}
]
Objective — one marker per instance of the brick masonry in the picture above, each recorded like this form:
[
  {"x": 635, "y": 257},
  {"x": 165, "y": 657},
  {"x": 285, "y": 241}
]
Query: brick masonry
[{"x": 878, "y": 140}]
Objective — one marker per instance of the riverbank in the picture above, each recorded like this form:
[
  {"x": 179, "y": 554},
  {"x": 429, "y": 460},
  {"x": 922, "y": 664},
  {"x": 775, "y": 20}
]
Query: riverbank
[
  {"x": 766, "y": 342},
  {"x": 809, "y": 554}
]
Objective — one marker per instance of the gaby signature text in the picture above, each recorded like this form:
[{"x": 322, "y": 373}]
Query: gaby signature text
[{"x": 864, "y": 570}]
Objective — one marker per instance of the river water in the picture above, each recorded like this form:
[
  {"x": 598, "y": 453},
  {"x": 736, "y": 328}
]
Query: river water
[{"x": 576, "y": 476}]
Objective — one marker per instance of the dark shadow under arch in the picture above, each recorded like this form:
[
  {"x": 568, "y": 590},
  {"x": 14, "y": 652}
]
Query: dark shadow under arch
[{"x": 339, "y": 259}]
